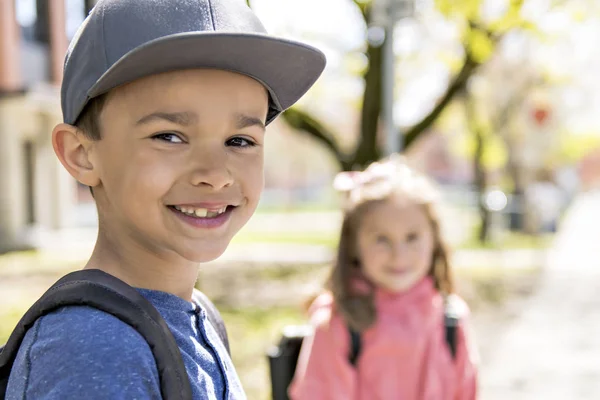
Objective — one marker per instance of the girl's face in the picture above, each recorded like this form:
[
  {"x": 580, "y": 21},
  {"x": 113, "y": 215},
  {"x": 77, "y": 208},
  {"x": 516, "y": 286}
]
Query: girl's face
[{"x": 395, "y": 244}]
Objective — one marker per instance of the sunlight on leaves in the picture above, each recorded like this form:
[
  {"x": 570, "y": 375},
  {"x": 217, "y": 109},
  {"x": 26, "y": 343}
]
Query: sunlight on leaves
[{"x": 480, "y": 45}]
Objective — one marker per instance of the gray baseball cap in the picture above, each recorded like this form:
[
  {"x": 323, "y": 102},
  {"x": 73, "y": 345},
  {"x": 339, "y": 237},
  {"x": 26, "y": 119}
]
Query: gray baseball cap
[{"x": 124, "y": 40}]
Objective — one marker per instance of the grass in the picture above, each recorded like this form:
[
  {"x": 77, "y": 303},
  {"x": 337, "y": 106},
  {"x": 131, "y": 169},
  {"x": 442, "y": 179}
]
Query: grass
[
  {"x": 306, "y": 238},
  {"x": 35, "y": 262},
  {"x": 511, "y": 240},
  {"x": 8, "y": 320},
  {"x": 303, "y": 207},
  {"x": 252, "y": 331}
]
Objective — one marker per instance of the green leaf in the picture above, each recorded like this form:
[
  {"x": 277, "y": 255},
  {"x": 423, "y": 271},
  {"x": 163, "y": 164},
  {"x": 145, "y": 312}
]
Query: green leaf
[
  {"x": 510, "y": 20},
  {"x": 480, "y": 45},
  {"x": 495, "y": 154},
  {"x": 468, "y": 9}
]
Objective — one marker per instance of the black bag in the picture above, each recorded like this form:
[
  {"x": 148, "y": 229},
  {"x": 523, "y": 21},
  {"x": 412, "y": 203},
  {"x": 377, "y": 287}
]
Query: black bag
[
  {"x": 283, "y": 358},
  {"x": 104, "y": 292}
]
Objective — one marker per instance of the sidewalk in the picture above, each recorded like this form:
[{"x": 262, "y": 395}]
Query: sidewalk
[{"x": 552, "y": 350}]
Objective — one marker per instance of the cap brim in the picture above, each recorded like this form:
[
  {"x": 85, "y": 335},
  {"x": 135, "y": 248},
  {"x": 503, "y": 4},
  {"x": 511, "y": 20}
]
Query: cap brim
[{"x": 286, "y": 68}]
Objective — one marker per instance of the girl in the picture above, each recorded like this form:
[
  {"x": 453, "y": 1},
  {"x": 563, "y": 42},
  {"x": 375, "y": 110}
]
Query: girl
[{"x": 391, "y": 285}]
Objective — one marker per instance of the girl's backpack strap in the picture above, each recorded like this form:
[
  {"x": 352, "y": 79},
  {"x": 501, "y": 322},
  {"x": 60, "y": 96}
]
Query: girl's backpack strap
[
  {"x": 355, "y": 345},
  {"x": 451, "y": 324},
  {"x": 452, "y": 314},
  {"x": 97, "y": 289},
  {"x": 213, "y": 316},
  {"x": 451, "y": 321}
]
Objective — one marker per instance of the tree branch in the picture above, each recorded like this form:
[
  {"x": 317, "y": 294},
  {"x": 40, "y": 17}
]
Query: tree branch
[
  {"x": 459, "y": 82},
  {"x": 303, "y": 122},
  {"x": 493, "y": 36}
]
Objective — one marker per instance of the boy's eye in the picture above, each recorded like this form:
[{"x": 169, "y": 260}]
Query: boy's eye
[
  {"x": 168, "y": 137},
  {"x": 240, "y": 142}
]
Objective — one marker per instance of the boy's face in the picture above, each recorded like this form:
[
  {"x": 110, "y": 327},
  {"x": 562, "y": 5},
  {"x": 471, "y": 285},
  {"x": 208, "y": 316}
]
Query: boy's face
[{"x": 180, "y": 162}]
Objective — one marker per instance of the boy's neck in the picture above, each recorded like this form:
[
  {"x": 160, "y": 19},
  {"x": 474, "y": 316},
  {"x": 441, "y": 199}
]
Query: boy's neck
[{"x": 143, "y": 269}]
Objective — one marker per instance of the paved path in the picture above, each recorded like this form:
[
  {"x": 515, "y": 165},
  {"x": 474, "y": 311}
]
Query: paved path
[{"x": 552, "y": 350}]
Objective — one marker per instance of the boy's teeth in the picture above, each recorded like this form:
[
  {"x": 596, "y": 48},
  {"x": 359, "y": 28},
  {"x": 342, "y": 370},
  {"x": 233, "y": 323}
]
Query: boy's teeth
[
  {"x": 201, "y": 212},
  {"x": 212, "y": 214}
]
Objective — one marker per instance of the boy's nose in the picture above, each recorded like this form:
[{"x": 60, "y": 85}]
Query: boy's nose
[{"x": 211, "y": 171}]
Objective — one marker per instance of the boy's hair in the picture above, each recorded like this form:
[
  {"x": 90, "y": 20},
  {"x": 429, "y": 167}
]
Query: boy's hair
[
  {"x": 89, "y": 119},
  {"x": 364, "y": 191}
]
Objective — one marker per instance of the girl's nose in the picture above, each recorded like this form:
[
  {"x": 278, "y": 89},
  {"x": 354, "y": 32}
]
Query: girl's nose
[{"x": 399, "y": 252}]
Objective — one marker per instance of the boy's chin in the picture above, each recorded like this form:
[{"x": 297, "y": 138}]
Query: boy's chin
[{"x": 204, "y": 254}]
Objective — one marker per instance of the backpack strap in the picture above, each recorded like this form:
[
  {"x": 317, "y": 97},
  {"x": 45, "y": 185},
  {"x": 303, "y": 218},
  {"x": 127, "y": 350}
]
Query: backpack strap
[
  {"x": 355, "y": 346},
  {"x": 451, "y": 321},
  {"x": 451, "y": 325},
  {"x": 97, "y": 289},
  {"x": 213, "y": 315}
]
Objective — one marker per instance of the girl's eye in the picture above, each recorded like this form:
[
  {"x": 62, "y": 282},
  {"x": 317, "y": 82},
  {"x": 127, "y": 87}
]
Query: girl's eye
[
  {"x": 240, "y": 142},
  {"x": 168, "y": 137},
  {"x": 412, "y": 237},
  {"x": 380, "y": 239}
]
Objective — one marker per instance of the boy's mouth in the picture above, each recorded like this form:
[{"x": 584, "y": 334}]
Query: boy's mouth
[{"x": 202, "y": 212}]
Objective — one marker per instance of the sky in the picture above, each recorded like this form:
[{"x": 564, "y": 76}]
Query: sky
[{"x": 336, "y": 27}]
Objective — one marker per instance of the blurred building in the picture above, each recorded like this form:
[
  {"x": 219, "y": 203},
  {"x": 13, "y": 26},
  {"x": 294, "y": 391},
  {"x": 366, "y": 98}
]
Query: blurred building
[{"x": 36, "y": 193}]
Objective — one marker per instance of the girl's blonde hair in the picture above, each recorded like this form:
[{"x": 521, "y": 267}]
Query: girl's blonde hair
[{"x": 363, "y": 191}]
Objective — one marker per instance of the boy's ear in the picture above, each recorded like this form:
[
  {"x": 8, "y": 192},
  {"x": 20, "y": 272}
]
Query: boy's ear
[{"x": 72, "y": 148}]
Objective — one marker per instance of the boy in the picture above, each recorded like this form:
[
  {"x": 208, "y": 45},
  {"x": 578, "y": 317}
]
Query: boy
[{"x": 165, "y": 104}]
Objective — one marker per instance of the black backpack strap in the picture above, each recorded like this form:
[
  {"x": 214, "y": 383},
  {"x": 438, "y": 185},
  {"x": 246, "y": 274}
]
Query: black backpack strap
[
  {"x": 213, "y": 316},
  {"x": 451, "y": 325},
  {"x": 104, "y": 292},
  {"x": 451, "y": 321},
  {"x": 355, "y": 346}
]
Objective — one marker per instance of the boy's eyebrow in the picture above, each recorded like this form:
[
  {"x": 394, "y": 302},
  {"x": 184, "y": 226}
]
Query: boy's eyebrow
[
  {"x": 184, "y": 118},
  {"x": 187, "y": 118},
  {"x": 246, "y": 121}
]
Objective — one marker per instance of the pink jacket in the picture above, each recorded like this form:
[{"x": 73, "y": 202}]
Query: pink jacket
[{"x": 404, "y": 355}]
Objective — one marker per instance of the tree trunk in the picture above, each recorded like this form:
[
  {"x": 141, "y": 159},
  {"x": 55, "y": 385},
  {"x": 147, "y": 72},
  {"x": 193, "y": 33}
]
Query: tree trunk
[
  {"x": 368, "y": 150},
  {"x": 88, "y": 5},
  {"x": 481, "y": 185},
  {"x": 515, "y": 172},
  {"x": 480, "y": 173}
]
